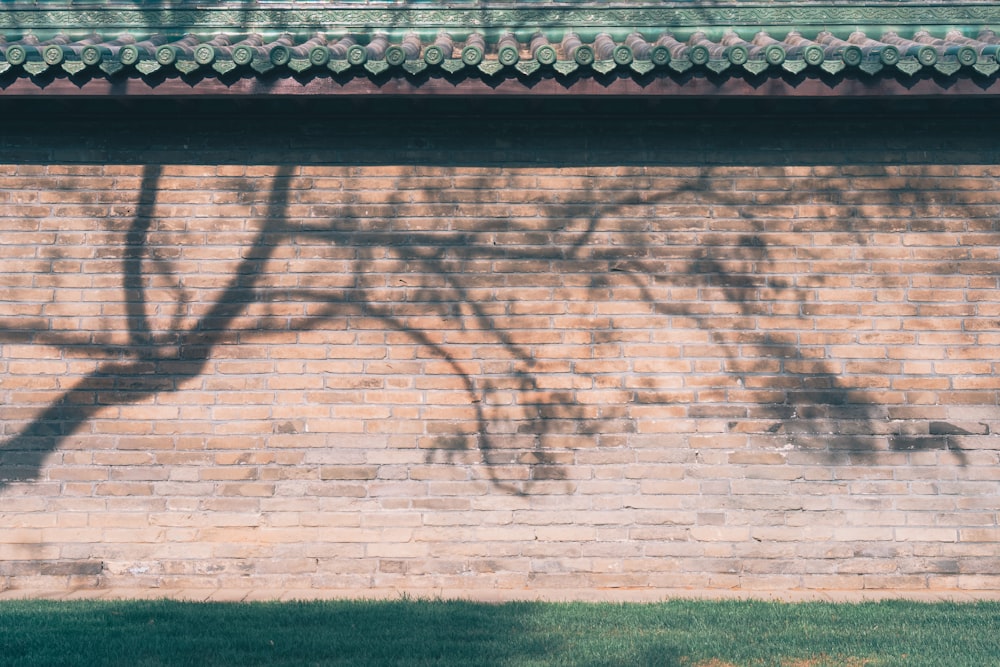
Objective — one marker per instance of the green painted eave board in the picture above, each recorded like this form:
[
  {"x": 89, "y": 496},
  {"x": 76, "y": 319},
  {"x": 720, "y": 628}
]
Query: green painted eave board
[{"x": 44, "y": 17}]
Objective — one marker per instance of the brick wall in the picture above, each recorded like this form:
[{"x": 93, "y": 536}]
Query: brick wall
[{"x": 365, "y": 350}]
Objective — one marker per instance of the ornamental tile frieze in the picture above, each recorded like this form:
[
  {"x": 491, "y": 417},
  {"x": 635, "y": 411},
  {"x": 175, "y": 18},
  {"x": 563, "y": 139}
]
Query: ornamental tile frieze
[
  {"x": 375, "y": 54},
  {"x": 318, "y": 15}
]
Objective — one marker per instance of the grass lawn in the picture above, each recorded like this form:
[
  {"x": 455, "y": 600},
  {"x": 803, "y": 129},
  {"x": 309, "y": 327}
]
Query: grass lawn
[{"x": 682, "y": 633}]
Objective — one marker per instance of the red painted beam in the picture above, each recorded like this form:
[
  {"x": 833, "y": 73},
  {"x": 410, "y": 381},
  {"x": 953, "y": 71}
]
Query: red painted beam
[{"x": 664, "y": 86}]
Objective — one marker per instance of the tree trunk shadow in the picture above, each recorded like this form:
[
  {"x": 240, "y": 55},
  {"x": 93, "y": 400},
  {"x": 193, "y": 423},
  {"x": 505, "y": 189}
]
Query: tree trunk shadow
[{"x": 141, "y": 374}]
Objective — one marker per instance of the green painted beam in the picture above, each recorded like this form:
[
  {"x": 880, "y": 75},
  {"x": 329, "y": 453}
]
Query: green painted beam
[{"x": 465, "y": 16}]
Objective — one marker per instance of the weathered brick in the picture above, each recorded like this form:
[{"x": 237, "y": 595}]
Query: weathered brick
[{"x": 539, "y": 373}]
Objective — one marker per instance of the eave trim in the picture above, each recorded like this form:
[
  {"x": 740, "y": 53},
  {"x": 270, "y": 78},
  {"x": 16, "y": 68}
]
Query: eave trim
[{"x": 649, "y": 15}]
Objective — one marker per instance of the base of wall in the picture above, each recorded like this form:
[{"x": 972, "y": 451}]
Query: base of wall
[{"x": 637, "y": 595}]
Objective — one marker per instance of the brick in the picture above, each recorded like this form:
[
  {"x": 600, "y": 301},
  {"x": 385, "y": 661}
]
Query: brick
[
  {"x": 348, "y": 472},
  {"x": 455, "y": 359}
]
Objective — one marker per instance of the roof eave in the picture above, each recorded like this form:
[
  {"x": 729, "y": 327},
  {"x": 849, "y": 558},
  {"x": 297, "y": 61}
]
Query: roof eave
[{"x": 187, "y": 49}]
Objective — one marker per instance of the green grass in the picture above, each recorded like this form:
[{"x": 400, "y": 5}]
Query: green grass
[{"x": 682, "y": 633}]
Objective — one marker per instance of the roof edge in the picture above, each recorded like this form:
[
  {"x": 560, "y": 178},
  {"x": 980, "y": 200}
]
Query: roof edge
[{"x": 710, "y": 16}]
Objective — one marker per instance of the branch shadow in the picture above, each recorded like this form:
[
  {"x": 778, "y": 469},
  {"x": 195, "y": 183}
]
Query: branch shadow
[
  {"x": 812, "y": 402},
  {"x": 690, "y": 275},
  {"x": 139, "y": 372}
]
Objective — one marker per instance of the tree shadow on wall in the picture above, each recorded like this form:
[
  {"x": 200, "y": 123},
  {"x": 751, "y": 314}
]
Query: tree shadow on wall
[
  {"x": 165, "y": 352},
  {"x": 750, "y": 293},
  {"x": 704, "y": 286},
  {"x": 152, "y": 362}
]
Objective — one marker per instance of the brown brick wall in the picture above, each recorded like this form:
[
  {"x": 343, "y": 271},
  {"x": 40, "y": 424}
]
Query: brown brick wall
[{"x": 422, "y": 353}]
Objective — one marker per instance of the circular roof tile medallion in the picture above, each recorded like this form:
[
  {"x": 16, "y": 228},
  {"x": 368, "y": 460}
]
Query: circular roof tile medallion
[
  {"x": 280, "y": 55},
  {"x": 129, "y": 55},
  {"x": 927, "y": 56},
  {"x": 851, "y": 55},
  {"x": 434, "y": 55},
  {"x": 967, "y": 55},
  {"x": 737, "y": 54},
  {"x": 472, "y": 55},
  {"x": 16, "y": 55},
  {"x": 508, "y": 56},
  {"x": 584, "y": 55},
  {"x": 53, "y": 55},
  {"x": 889, "y": 55},
  {"x": 319, "y": 55},
  {"x": 698, "y": 55},
  {"x": 204, "y": 54},
  {"x": 357, "y": 55},
  {"x": 166, "y": 55},
  {"x": 775, "y": 54},
  {"x": 659, "y": 55},
  {"x": 242, "y": 55},
  {"x": 546, "y": 55},
  {"x": 622, "y": 55},
  {"x": 395, "y": 56},
  {"x": 91, "y": 55},
  {"x": 813, "y": 55}
]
